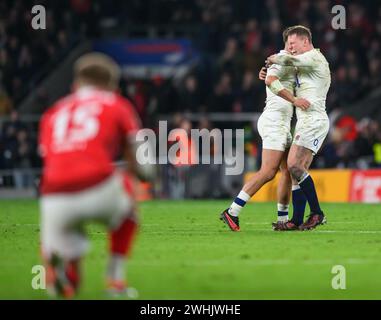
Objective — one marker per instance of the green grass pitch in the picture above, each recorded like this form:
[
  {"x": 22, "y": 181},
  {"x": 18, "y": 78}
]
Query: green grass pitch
[{"x": 183, "y": 251}]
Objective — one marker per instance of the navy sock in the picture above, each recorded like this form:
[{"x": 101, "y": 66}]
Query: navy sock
[
  {"x": 308, "y": 188},
  {"x": 299, "y": 202},
  {"x": 282, "y": 213}
]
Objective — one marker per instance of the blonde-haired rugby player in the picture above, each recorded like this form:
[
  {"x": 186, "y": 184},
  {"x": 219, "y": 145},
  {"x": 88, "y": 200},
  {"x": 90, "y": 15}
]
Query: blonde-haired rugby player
[{"x": 274, "y": 128}]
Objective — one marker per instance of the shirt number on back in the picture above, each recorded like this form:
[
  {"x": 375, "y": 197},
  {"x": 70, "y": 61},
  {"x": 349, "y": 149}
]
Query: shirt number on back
[{"x": 76, "y": 126}]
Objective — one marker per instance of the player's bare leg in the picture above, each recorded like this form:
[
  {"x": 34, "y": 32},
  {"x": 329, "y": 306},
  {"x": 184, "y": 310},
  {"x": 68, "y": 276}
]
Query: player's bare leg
[
  {"x": 121, "y": 241},
  {"x": 271, "y": 160},
  {"x": 299, "y": 160}
]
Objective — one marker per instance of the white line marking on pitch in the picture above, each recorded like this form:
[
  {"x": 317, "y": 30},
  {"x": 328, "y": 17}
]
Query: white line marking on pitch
[
  {"x": 20, "y": 224},
  {"x": 211, "y": 231},
  {"x": 333, "y": 231},
  {"x": 192, "y": 224},
  {"x": 349, "y": 231},
  {"x": 330, "y": 222},
  {"x": 237, "y": 261},
  {"x": 265, "y": 262}
]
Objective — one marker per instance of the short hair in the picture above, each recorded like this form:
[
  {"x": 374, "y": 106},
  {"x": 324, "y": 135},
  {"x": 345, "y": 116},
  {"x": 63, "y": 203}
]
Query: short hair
[
  {"x": 97, "y": 69},
  {"x": 299, "y": 30}
]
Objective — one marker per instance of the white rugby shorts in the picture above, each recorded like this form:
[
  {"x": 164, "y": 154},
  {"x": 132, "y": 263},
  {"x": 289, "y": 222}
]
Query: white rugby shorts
[
  {"x": 311, "y": 134},
  {"x": 63, "y": 216},
  {"x": 274, "y": 131}
]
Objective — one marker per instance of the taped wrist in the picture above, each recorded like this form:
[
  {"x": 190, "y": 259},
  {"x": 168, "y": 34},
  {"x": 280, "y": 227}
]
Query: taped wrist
[{"x": 276, "y": 86}]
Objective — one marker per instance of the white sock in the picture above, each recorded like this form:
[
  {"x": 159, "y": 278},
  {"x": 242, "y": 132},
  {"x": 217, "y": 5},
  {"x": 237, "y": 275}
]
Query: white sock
[
  {"x": 239, "y": 203},
  {"x": 295, "y": 187},
  {"x": 115, "y": 269},
  {"x": 282, "y": 212}
]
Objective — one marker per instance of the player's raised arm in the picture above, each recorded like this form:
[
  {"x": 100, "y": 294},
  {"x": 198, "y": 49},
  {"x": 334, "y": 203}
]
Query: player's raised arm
[{"x": 277, "y": 88}]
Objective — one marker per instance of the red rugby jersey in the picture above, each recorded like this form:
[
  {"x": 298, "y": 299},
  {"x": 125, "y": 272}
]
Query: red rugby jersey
[{"x": 80, "y": 136}]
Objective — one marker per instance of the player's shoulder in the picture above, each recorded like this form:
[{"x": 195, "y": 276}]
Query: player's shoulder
[
  {"x": 111, "y": 101},
  {"x": 322, "y": 61},
  {"x": 318, "y": 54},
  {"x": 55, "y": 107},
  {"x": 124, "y": 105},
  {"x": 127, "y": 112},
  {"x": 122, "y": 101},
  {"x": 313, "y": 53}
]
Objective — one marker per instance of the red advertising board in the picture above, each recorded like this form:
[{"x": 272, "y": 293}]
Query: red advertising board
[{"x": 365, "y": 186}]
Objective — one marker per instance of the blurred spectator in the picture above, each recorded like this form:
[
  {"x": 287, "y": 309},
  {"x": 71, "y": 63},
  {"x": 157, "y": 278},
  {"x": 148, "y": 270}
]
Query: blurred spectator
[
  {"x": 363, "y": 145},
  {"x": 23, "y": 161},
  {"x": 13, "y": 126},
  {"x": 5, "y": 103},
  {"x": 230, "y": 60},
  {"x": 233, "y": 39},
  {"x": 190, "y": 96},
  {"x": 25, "y": 52},
  {"x": 216, "y": 138},
  {"x": 250, "y": 94},
  {"x": 340, "y": 86},
  {"x": 183, "y": 160},
  {"x": 347, "y": 126},
  {"x": 222, "y": 97},
  {"x": 253, "y": 36},
  {"x": 18, "y": 152},
  {"x": 135, "y": 91},
  {"x": 374, "y": 73}
]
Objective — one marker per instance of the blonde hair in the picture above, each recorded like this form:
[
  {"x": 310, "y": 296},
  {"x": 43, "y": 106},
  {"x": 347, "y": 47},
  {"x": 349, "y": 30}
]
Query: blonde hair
[
  {"x": 299, "y": 30},
  {"x": 97, "y": 69}
]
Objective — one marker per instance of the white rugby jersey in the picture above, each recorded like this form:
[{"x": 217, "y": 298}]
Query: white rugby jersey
[
  {"x": 313, "y": 80},
  {"x": 286, "y": 76}
]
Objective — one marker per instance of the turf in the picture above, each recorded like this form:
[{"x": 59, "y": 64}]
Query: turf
[{"x": 184, "y": 252}]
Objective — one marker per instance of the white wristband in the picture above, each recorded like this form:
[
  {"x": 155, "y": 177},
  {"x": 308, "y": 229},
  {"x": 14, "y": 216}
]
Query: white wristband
[{"x": 275, "y": 87}]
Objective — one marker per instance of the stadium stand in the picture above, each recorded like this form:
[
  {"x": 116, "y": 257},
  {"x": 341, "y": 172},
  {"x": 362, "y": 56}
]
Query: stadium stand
[{"x": 233, "y": 42}]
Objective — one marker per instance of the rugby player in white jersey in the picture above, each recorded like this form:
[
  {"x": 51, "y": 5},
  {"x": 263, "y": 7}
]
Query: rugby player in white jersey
[
  {"x": 314, "y": 79},
  {"x": 274, "y": 128}
]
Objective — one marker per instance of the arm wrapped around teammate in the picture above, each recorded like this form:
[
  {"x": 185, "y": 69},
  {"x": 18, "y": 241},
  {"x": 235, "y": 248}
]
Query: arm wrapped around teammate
[{"x": 276, "y": 86}]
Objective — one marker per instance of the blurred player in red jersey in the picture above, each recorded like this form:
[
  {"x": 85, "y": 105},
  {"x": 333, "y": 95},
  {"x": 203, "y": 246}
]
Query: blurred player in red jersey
[{"x": 79, "y": 138}]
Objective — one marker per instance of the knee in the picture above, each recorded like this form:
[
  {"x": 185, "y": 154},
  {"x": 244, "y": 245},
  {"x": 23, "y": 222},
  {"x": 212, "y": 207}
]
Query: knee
[{"x": 296, "y": 170}]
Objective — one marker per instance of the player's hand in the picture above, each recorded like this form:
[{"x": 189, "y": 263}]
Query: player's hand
[
  {"x": 302, "y": 103},
  {"x": 270, "y": 60},
  {"x": 262, "y": 74}
]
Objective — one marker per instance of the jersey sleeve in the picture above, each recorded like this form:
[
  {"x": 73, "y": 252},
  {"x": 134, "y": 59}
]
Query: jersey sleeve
[
  {"x": 274, "y": 70},
  {"x": 307, "y": 59},
  {"x": 128, "y": 118}
]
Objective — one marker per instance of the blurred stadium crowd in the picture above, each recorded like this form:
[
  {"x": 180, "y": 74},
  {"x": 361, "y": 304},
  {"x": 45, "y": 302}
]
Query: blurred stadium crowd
[{"x": 233, "y": 38}]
